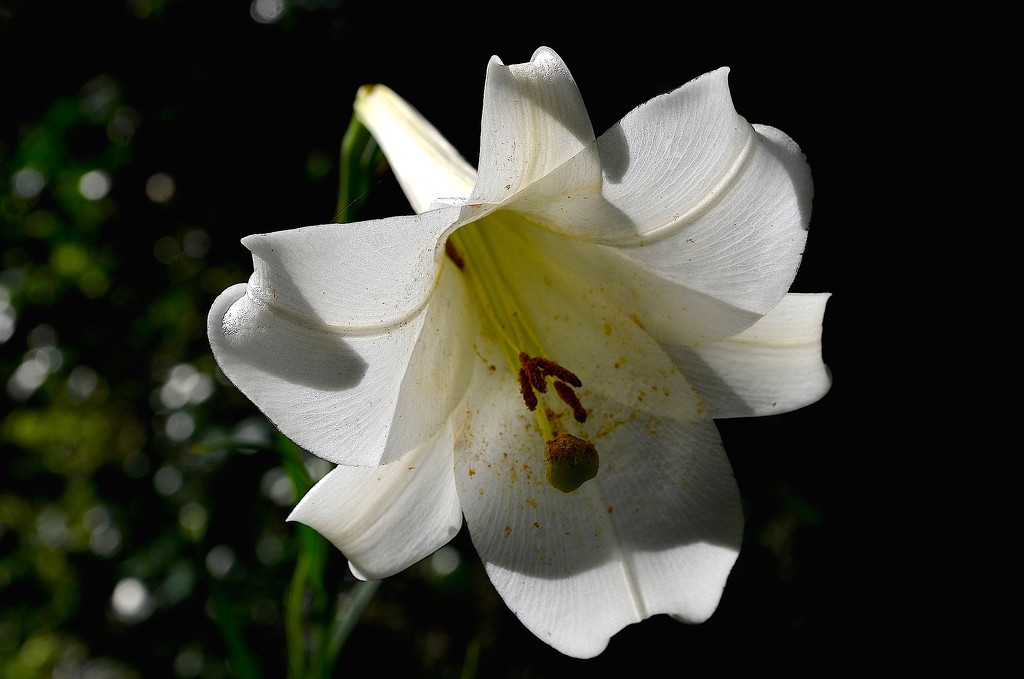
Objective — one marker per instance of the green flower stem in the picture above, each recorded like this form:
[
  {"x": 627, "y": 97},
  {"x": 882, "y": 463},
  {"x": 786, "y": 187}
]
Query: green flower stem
[
  {"x": 293, "y": 619},
  {"x": 242, "y": 662},
  {"x": 472, "y": 659},
  {"x": 349, "y": 611},
  {"x": 360, "y": 158}
]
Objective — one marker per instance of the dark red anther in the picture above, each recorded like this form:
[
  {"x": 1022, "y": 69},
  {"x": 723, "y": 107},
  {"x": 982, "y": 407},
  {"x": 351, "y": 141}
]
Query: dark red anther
[
  {"x": 552, "y": 369},
  {"x": 566, "y": 393},
  {"x": 534, "y": 373},
  {"x": 526, "y": 389}
]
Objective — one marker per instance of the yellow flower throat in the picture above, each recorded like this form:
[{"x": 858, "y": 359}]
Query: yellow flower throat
[{"x": 569, "y": 461}]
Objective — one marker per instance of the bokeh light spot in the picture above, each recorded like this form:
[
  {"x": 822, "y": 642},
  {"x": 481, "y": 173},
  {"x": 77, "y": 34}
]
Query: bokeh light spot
[
  {"x": 52, "y": 528},
  {"x": 69, "y": 259},
  {"x": 82, "y": 383},
  {"x": 276, "y": 485},
  {"x": 270, "y": 549},
  {"x": 266, "y": 11},
  {"x": 192, "y": 519},
  {"x": 166, "y": 249},
  {"x": 8, "y": 315},
  {"x": 37, "y": 365},
  {"x": 28, "y": 183},
  {"x": 122, "y": 125},
  {"x": 105, "y": 541},
  {"x": 179, "y": 426},
  {"x": 444, "y": 561},
  {"x": 196, "y": 243},
  {"x": 160, "y": 187},
  {"x": 220, "y": 560},
  {"x": 167, "y": 480},
  {"x": 189, "y": 663},
  {"x": 185, "y": 386},
  {"x": 131, "y": 601},
  {"x": 94, "y": 184}
]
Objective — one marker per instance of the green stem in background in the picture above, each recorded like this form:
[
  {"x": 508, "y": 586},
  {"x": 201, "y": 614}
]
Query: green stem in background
[
  {"x": 361, "y": 159},
  {"x": 242, "y": 662},
  {"x": 293, "y": 620},
  {"x": 306, "y": 579},
  {"x": 349, "y": 610},
  {"x": 472, "y": 660}
]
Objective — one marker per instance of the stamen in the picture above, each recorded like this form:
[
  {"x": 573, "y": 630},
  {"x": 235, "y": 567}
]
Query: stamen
[
  {"x": 552, "y": 369},
  {"x": 533, "y": 371},
  {"x": 474, "y": 248},
  {"x": 526, "y": 389},
  {"x": 566, "y": 393}
]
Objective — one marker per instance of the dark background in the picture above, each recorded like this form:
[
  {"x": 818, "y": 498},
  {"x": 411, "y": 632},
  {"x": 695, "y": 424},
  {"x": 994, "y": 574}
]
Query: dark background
[{"x": 247, "y": 118}]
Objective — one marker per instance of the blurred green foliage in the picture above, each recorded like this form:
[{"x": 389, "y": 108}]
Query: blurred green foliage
[{"x": 142, "y": 499}]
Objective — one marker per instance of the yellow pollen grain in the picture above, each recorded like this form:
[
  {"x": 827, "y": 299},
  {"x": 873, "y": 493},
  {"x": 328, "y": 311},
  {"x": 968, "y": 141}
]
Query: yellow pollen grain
[
  {"x": 530, "y": 501},
  {"x": 701, "y": 406}
]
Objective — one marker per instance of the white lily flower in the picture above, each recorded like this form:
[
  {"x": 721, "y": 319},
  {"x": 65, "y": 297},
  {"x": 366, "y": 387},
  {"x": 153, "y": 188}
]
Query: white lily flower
[{"x": 543, "y": 347}]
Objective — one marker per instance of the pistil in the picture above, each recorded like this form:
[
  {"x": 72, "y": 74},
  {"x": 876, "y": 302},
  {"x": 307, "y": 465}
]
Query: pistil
[{"x": 469, "y": 249}]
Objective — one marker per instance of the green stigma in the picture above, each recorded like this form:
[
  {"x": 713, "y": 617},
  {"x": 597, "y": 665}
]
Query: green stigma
[{"x": 570, "y": 462}]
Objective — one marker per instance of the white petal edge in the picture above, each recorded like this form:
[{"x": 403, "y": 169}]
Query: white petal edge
[
  {"x": 773, "y": 367},
  {"x": 426, "y": 165},
  {"x": 665, "y": 160},
  {"x": 358, "y": 399},
  {"x": 534, "y": 119},
  {"x": 331, "y": 275},
  {"x": 745, "y": 247},
  {"x": 384, "y": 519}
]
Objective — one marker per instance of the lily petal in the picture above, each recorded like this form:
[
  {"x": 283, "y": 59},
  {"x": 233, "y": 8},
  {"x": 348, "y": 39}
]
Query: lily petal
[
  {"x": 670, "y": 311},
  {"x": 351, "y": 398},
  {"x": 330, "y": 275},
  {"x": 773, "y": 367},
  {"x": 426, "y": 165},
  {"x": 534, "y": 120},
  {"x": 656, "y": 531},
  {"x": 691, "y": 196},
  {"x": 745, "y": 246},
  {"x": 386, "y": 518}
]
